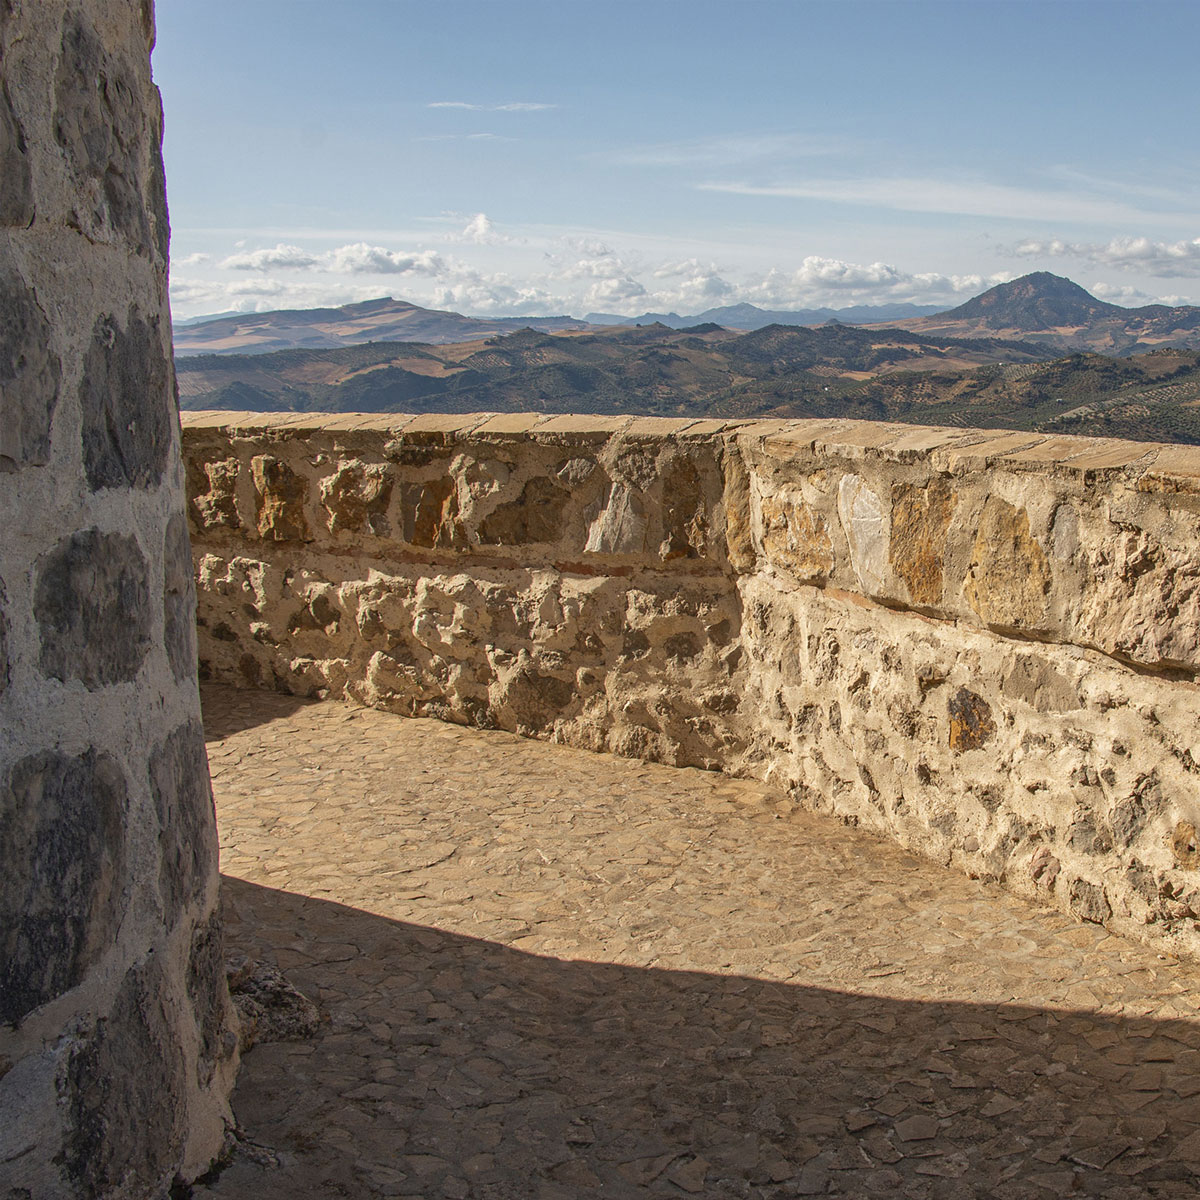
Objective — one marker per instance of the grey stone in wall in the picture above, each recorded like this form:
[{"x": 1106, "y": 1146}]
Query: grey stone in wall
[
  {"x": 127, "y": 1063},
  {"x": 208, "y": 993},
  {"x": 29, "y": 370},
  {"x": 61, "y": 892},
  {"x": 93, "y": 609},
  {"x": 128, "y": 410},
  {"x": 5, "y": 669},
  {"x": 16, "y": 197},
  {"x": 183, "y": 800},
  {"x": 99, "y": 121},
  {"x": 179, "y": 599}
]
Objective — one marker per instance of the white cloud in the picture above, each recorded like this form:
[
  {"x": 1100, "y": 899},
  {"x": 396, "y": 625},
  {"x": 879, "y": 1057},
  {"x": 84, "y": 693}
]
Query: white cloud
[
  {"x": 480, "y": 231},
  {"x": 512, "y": 106},
  {"x": 362, "y": 259},
  {"x": 829, "y": 282},
  {"x": 1159, "y": 259},
  {"x": 356, "y": 259},
  {"x": 965, "y": 198},
  {"x": 291, "y": 258},
  {"x": 465, "y": 137},
  {"x": 192, "y": 260},
  {"x": 727, "y": 150}
]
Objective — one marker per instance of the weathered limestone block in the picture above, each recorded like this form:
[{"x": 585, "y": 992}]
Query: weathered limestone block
[
  {"x": 1009, "y": 578},
  {"x": 866, "y": 523},
  {"x": 622, "y": 525},
  {"x": 795, "y": 538},
  {"x": 536, "y": 515},
  {"x": 685, "y": 511},
  {"x": 1144, "y": 599},
  {"x": 356, "y": 498},
  {"x": 281, "y": 494},
  {"x": 431, "y": 515},
  {"x": 213, "y": 492},
  {"x": 737, "y": 504},
  {"x": 917, "y": 549}
]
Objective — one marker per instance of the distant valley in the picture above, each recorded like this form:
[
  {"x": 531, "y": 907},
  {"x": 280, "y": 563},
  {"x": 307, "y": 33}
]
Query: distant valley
[{"x": 1015, "y": 357}]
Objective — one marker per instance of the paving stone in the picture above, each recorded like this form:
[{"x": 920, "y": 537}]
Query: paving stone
[{"x": 545, "y": 972}]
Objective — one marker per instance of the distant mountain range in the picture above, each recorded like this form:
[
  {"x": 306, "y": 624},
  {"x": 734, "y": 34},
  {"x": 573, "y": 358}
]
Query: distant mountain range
[
  {"x": 1043, "y": 308},
  {"x": 389, "y": 320},
  {"x": 748, "y": 316}
]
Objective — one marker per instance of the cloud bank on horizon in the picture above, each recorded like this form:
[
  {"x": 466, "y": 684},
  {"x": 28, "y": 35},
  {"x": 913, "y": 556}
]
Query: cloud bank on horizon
[
  {"x": 479, "y": 269},
  {"x": 540, "y": 159}
]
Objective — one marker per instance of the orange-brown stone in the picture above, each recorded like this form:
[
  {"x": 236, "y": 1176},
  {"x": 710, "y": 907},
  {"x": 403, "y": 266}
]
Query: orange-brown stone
[{"x": 917, "y": 551}]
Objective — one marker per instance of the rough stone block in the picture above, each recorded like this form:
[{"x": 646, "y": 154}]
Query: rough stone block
[
  {"x": 356, "y": 498},
  {"x": 128, "y": 410},
  {"x": 621, "y": 527},
  {"x": 971, "y": 722},
  {"x": 183, "y": 802},
  {"x": 212, "y": 492},
  {"x": 62, "y": 890},
  {"x": 16, "y": 197},
  {"x": 100, "y": 125},
  {"x": 535, "y": 516},
  {"x": 795, "y": 538},
  {"x": 281, "y": 494},
  {"x": 431, "y": 517},
  {"x": 122, "y": 1095},
  {"x": 685, "y": 511},
  {"x": 1008, "y": 578},
  {"x": 179, "y": 599},
  {"x": 29, "y": 371},
  {"x": 92, "y": 606},
  {"x": 917, "y": 550},
  {"x": 866, "y": 522}
]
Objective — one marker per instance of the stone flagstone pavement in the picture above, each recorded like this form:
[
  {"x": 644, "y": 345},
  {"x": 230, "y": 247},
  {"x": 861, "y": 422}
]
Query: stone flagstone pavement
[{"x": 551, "y": 974}]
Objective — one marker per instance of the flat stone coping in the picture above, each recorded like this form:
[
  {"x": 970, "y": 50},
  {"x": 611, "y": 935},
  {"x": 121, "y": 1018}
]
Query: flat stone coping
[{"x": 950, "y": 448}]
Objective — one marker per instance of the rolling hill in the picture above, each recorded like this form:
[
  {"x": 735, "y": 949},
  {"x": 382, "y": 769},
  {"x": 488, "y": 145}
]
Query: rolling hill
[{"x": 384, "y": 320}]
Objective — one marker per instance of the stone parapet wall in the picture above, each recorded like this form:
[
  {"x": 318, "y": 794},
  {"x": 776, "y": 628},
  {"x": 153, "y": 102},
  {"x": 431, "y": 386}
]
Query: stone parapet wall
[
  {"x": 981, "y": 643},
  {"x": 116, "y": 1052}
]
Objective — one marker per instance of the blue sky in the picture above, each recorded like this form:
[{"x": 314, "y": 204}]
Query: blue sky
[{"x": 523, "y": 157}]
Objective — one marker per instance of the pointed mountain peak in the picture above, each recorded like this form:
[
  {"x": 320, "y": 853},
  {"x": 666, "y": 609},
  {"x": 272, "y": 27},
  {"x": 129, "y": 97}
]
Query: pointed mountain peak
[{"x": 1037, "y": 301}]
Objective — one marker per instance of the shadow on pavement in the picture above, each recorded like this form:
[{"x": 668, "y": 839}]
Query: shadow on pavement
[
  {"x": 456, "y": 1067},
  {"x": 240, "y": 709}
]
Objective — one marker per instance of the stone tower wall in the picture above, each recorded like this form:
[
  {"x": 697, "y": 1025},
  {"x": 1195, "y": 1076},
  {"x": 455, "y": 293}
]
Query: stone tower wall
[
  {"x": 116, "y": 1054},
  {"x": 983, "y": 645}
]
